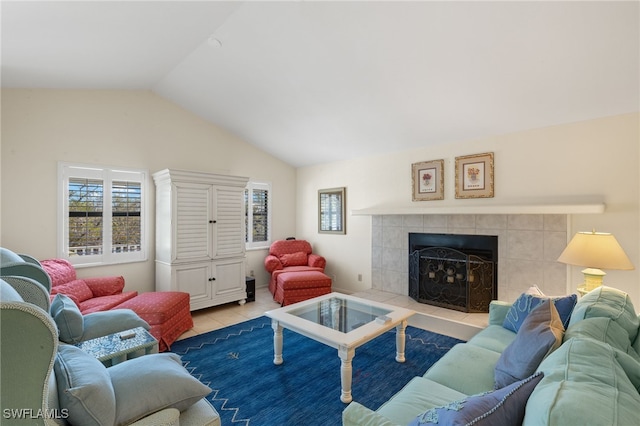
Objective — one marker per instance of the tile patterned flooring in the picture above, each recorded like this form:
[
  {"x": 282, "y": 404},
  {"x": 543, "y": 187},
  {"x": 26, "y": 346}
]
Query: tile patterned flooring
[{"x": 216, "y": 317}]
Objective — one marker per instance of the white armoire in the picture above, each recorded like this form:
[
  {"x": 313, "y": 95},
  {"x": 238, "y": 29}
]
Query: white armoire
[{"x": 200, "y": 241}]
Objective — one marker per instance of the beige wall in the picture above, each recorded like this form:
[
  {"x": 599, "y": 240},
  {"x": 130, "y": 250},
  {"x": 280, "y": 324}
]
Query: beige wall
[
  {"x": 141, "y": 130},
  {"x": 117, "y": 128},
  {"x": 596, "y": 157}
]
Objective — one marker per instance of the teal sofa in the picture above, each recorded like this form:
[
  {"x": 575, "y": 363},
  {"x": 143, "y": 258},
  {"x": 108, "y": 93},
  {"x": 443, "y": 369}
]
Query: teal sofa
[{"x": 592, "y": 378}]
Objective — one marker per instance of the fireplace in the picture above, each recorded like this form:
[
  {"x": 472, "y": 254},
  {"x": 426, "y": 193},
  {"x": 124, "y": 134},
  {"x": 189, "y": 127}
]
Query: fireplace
[{"x": 454, "y": 271}]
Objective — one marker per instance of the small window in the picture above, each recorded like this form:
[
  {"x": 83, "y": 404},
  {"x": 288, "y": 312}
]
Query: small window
[
  {"x": 331, "y": 211},
  {"x": 257, "y": 201},
  {"x": 102, "y": 215}
]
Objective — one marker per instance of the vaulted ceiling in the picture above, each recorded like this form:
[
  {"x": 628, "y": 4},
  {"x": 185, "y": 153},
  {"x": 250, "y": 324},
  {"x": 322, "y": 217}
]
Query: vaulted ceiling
[{"x": 315, "y": 82}]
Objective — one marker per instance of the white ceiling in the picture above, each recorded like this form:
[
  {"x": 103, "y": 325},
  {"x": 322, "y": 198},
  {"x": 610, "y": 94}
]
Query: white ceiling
[{"x": 314, "y": 82}]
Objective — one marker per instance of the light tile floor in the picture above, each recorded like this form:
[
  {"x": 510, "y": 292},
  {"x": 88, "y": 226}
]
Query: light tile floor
[{"x": 232, "y": 313}]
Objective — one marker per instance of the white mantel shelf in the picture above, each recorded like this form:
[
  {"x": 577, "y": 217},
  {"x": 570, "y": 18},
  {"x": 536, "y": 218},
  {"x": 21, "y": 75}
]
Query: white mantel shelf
[{"x": 537, "y": 208}]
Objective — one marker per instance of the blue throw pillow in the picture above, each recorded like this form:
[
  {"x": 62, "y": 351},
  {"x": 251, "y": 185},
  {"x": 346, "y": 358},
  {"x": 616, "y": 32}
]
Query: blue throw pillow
[
  {"x": 527, "y": 302},
  {"x": 152, "y": 383},
  {"x": 540, "y": 334},
  {"x": 68, "y": 318},
  {"x": 84, "y": 388},
  {"x": 504, "y": 406}
]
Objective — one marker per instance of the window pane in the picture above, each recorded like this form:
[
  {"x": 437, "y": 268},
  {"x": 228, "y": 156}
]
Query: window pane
[
  {"x": 85, "y": 216},
  {"x": 125, "y": 208},
  {"x": 260, "y": 215},
  {"x": 331, "y": 212}
]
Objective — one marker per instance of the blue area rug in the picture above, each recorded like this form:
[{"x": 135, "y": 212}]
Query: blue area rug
[{"x": 248, "y": 389}]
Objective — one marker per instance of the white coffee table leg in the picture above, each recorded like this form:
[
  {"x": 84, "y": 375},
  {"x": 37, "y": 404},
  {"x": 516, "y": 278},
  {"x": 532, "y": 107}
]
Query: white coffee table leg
[
  {"x": 277, "y": 342},
  {"x": 400, "y": 340},
  {"x": 346, "y": 373}
]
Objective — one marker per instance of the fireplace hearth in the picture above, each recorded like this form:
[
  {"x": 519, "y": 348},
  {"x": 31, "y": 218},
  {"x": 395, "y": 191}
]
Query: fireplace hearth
[{"x": 453, "y": 271}]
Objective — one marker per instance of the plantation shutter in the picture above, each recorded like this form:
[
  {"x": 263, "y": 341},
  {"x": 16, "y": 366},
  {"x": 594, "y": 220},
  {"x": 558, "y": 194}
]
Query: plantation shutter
[
  {"x": 86, "y": 209},
  {"x": 126, "y": 205},
  {"x": 260, "y": 215},
  {"x": 229, "y": 206},
  {"x": 193, "y": 228}
]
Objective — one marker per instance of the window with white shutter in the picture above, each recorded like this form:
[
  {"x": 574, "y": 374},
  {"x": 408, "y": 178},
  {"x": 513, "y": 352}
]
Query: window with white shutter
[
  {"x": 102, "y": 218},
  {"x": 257, "y": 198}
]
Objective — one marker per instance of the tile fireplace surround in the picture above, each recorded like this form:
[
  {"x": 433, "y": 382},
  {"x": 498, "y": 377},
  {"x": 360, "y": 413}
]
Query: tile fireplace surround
[{"x": 528, "y": 246}]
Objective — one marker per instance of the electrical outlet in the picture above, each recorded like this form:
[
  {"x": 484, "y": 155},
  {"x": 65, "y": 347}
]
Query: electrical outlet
[
  {"x": 359, "y": 277},
  {"x": 251, "y": 273}
]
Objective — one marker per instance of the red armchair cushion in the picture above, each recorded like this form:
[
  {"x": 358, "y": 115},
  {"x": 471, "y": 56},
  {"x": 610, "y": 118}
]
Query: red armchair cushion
[
  {"x": 76, "y": 289},
  {"x": 294, "y": 259},
  {"x": 280, "y": 247}
]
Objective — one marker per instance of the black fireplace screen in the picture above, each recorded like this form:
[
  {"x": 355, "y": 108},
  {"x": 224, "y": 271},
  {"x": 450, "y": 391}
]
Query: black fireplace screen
[{"x": 449, "y": 278}]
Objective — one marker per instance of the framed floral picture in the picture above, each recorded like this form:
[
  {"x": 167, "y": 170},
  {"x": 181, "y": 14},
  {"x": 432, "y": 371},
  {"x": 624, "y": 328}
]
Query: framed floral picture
[
  {"x": 474, "y": 176},
  {"x": 428, "y": 180}
]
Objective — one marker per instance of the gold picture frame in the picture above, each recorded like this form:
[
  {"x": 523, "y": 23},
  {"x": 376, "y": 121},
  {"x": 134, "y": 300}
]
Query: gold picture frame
[
  {"x": 428, "y": 180},
  {"x": 332, "y": 207},
  {"x": 474, "y": 176}
]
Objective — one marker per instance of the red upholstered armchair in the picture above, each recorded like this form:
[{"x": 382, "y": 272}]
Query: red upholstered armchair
[{"x": 290, "y": 256}]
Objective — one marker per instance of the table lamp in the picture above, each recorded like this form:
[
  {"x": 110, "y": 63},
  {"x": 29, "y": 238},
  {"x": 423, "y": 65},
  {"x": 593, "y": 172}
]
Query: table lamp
[{"x": 597, "y": 251}]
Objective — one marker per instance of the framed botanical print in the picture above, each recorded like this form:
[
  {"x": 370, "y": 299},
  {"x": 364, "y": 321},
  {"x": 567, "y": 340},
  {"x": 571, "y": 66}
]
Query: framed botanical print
[
  {"x": 428, "y": 180},
  {"x": 474, "y": 176}
]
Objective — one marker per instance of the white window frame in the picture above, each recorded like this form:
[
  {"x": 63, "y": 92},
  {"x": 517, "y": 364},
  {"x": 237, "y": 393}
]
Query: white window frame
[
  {"x": 250, "y": 244},
  {"x": 108, "y": 175}
]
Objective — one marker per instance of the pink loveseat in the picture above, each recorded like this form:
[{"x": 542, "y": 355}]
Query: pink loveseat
[
  {"x": 296, "y": 273},
  {"x": 168, "y": 313},
  {"x": 90, "y": 294}
]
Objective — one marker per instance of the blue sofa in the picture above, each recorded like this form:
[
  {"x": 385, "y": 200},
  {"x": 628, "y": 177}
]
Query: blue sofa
[{"x": 591, "y": 378}]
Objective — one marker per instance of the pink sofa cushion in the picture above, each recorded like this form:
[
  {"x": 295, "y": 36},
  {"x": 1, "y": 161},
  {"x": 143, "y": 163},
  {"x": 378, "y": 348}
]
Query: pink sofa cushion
[
  {"x": 105, "y": 303},
  {"x": 60, "y": 271},
  {"x": 294, "y": 259},
  {"x": 78, "y": 290},
  {"x": 105, "y": 286}
]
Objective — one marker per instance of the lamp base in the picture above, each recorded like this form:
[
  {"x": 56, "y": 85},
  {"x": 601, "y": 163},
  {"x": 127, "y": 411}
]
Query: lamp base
[{"x": 592, "y": 278}]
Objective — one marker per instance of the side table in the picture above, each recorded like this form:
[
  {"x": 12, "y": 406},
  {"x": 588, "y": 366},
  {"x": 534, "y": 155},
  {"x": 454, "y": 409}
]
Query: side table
[{"x": 112, "y": 349}]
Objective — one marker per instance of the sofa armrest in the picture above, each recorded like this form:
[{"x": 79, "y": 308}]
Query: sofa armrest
[
  {"x": 272, "y": 263},
  {"x": 29, "y": 259},
  {"x": 100, "y": 324},
  {"x": 105, "y": 286},
  {"x": 30, "y": 290},
  {"x": 498, "y": 312},
  {"x": 358, "y": 415},
  {"x": 317, "y": 261}
]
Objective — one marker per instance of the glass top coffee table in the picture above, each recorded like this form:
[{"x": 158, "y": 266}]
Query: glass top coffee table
[{"x": 343, "y": 322}]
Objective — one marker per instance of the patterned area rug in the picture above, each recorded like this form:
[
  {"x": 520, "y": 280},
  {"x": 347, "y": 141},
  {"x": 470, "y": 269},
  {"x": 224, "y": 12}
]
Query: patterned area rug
[{"x": 248, "y": 389}]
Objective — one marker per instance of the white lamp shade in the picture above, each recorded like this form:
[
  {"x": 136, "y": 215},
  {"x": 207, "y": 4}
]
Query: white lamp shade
[{"x": 595, "y": 250}]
